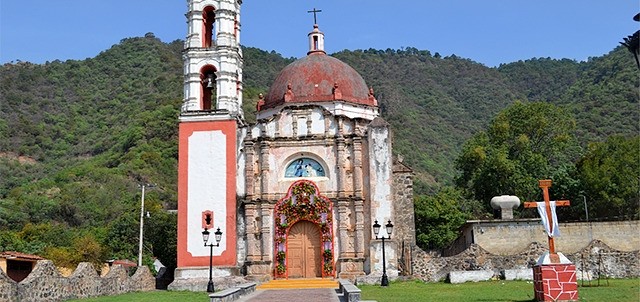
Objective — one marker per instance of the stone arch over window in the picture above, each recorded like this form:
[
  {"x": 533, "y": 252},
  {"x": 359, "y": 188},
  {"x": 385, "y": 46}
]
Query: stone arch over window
[
  {"x": 208, "y": 87},
  {"x": 208, "y": 26},
  {"x": 303, "y": 166}
]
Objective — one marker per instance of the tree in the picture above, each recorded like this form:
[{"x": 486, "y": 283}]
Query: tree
[
  {"x": 610, "y": 177},
  {"x": 161, "y": 233},
  {"x": 524, "y": 143},
  {"x": 438, "y": 218},
  {"x": 122, "y": 236},
  {"x": 87, "y": 249}
]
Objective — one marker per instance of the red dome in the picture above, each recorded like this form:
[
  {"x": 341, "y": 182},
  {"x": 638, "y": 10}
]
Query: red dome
[{"x": 318, "y": 78}]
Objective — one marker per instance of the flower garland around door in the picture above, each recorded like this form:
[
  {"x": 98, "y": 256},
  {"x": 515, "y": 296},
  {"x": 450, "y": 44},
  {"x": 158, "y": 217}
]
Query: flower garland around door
[{"x": 303, "y": 202}]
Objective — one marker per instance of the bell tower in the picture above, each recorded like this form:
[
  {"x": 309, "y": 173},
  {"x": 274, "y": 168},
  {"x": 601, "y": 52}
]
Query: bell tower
[
  {"x": 210, "y": 118},
  {"x": 213, "y": 58}
]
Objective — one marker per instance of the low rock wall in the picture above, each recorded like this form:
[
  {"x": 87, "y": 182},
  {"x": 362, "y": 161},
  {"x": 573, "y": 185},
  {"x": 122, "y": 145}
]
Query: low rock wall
[
  {"x": 45, "y": 283},
  {"x": 8, "y": 288},
  {"x": 597, "y": 259}
]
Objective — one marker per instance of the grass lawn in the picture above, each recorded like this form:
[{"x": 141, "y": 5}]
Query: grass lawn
[
  {"x": 618, "y": 290},
  {"x": 152, "y": 296}
]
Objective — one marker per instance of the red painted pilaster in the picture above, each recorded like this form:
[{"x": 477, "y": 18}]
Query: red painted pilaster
[{"x": 228, "y": 257}]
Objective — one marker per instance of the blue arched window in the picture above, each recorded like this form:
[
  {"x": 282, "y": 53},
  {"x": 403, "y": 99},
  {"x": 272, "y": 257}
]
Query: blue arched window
[{"x": 304, "y": 167}]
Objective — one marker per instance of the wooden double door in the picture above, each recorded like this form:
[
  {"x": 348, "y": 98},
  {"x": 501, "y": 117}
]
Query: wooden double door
[{"x": 304, "y": 250}]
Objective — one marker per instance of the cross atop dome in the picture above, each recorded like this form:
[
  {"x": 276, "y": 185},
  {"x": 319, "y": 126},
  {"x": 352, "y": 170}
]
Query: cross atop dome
[
  {"x": 316, "y": 37},
  {"x": 319, "y": 78},
  {"x": 314, "y": 11}
]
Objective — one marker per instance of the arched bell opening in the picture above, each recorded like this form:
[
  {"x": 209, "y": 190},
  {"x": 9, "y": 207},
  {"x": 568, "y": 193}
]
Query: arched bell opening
[
  {"x": 207, "y": 87},
  {"x": 208, "y": 26},
  {"x": 236, "y": 26}
]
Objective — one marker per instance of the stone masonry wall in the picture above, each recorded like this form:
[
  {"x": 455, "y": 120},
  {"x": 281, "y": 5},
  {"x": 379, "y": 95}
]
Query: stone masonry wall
[
  {"x": 600, "y": 260},
  {"x": 45, "y": 283},
  {"x": 8, "y": 288},
  {"x": 405, "y": 228},
  {"x": 403, "y": 214},
  {"x": 509, "y": 237},
  {"x": 597, "y": 259}
]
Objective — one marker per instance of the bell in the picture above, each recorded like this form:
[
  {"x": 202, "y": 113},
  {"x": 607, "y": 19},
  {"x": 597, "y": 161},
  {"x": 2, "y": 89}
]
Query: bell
[{"x": 210, "y": 81}]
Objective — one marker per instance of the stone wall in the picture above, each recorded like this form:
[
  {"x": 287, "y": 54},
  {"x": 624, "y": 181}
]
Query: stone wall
[
  {"x": 8, "y": 288},
  {"x": 600, "y": 260},
  {"x": 405, "y": 228},
  {"x": 507, "y": 237},
  {"x": 45, "y": 283},
  {"x": 403, "y": 213},
  {"x": 596, "y": 259}
]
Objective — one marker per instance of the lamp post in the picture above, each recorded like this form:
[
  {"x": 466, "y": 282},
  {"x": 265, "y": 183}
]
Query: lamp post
[
  {"x": 205, "y": 237},
  {"x": 376, "y": 230}
]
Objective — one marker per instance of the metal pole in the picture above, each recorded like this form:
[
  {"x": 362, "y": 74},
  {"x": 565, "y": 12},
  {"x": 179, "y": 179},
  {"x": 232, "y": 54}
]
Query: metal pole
[
  {"x": 385, "y": 281},
  {"x": 210, "y": 284},
  {"x": 586, "y": 210},
  {"x": 141, "y": 227}
]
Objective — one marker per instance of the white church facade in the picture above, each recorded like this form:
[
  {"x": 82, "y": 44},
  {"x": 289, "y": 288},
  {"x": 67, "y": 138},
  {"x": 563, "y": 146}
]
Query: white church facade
[{"x": 295, "y": 195}]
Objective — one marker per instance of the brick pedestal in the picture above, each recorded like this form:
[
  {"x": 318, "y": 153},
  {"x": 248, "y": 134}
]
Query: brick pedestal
[{"x": 555, "y": 282}]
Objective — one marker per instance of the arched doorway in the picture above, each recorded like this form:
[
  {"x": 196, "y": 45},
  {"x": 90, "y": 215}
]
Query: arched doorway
[
  {"x": 304, "y": 250},
  {"x": 303, "y": 241}
]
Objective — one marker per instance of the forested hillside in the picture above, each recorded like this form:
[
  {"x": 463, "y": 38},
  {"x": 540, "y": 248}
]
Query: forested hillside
[
  {"x": 602, "y": 93},
  {"x": 77, "y": 137},
  {"x": 435, "y": 104}
]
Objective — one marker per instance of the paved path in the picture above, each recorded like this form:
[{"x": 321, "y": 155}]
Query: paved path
[{"x": 293, "y": 295}]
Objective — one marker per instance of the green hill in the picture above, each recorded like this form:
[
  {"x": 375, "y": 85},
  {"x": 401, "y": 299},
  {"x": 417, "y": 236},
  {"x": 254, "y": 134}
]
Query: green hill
[{"x": 77, "y": 137}]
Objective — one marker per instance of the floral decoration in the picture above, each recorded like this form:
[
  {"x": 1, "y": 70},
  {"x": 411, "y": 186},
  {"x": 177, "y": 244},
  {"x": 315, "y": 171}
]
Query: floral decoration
[
  {"x": 280, "y": 263},
  {"x": 303, "y": 202},
  {"x": 327, "y": 258}
]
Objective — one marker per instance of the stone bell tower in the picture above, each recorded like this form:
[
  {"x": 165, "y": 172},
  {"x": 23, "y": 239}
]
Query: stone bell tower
[{"x": 208, "y": 125}]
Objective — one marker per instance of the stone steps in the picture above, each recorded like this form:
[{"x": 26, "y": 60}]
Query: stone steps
[{"x": 299, "y": 283}]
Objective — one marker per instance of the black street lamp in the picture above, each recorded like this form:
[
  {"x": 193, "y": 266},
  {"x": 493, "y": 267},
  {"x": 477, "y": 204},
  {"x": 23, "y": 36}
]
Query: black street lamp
[
  {"x": 205, "y": 237},
  {"x": 376, "y": 230}
]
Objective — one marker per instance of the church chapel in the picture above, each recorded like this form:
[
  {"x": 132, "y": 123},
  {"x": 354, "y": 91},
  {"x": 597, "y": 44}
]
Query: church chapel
[{"x": 295, "y": 195}]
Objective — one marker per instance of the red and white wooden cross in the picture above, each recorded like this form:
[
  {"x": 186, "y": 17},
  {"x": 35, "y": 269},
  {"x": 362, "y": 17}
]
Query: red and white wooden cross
[{"x": 545, "y": 184}]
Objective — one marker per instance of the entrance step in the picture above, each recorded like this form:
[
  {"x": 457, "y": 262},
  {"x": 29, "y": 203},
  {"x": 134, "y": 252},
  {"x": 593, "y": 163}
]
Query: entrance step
[{"x": 299, "y": 283}]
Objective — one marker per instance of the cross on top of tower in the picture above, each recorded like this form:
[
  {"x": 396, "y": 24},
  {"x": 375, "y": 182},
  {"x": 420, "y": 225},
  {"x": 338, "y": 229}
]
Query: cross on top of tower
[{"x": 314, "y": 11}]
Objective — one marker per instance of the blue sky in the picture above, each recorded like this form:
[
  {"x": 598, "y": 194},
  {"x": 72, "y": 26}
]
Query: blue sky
[{"x": 489, "y": 31}]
